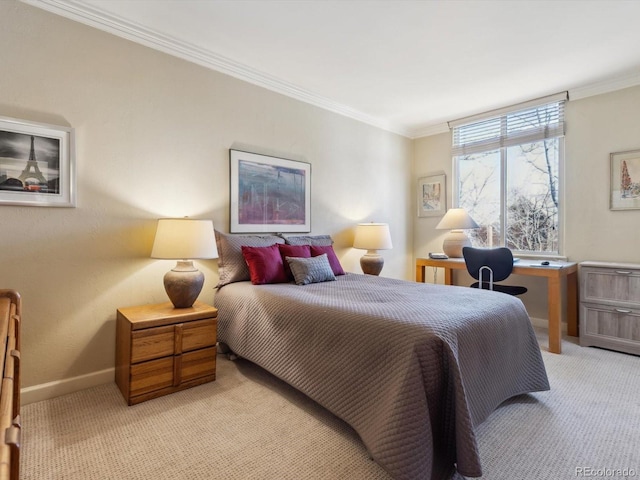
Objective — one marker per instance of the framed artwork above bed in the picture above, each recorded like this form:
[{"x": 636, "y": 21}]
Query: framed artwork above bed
[{"x": 269, "y": 194}]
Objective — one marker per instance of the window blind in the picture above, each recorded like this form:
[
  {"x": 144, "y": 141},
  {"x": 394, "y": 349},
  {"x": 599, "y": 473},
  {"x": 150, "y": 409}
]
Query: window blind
[{"x": 523, "y": 123}]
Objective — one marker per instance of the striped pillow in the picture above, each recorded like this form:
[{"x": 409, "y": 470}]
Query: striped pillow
[
  {"x": 320, "y": 240},
  {"x": 311, "y": 270},
  {"x": 232, "y": 266}
]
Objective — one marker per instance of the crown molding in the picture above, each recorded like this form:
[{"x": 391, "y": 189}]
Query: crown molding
[
  {"x": 429, "y": 130},
  {"x": 605, "y": 86},
  {"x": 97, "y": 18}
]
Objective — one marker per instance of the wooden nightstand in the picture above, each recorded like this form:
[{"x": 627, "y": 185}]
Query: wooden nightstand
[{"x": 161, "y": 349}]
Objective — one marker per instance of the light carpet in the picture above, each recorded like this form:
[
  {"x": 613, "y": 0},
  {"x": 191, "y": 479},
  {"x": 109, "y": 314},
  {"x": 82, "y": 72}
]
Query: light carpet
[{"x": 249, "y": 425}]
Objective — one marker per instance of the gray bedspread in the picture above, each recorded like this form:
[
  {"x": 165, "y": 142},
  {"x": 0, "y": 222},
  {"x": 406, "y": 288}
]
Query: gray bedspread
[{"x": 412, "y": 367}]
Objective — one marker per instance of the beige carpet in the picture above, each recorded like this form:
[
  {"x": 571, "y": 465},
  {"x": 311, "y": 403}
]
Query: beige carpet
[{"x": 249, "y": 425}]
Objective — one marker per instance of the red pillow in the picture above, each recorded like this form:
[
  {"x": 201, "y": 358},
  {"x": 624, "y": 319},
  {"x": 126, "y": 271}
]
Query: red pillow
[
  {"x": 292, "y": 251},
  {"x": 265, "y": 264},
  {"x": 331, "y": 255}
]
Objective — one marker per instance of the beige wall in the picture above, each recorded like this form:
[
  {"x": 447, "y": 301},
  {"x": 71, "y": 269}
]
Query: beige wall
[
  {"x": 595, "y": 127},
  {"x": 152, "y": 140}
]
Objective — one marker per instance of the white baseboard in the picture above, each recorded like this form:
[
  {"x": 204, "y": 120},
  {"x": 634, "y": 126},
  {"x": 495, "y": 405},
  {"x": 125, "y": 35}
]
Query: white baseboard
[
  {"x": 544, "y": 323},
  {"x": 49, "y": 390}
]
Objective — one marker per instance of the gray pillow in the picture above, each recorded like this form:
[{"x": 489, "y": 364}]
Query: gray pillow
[
  {"x": 317, "y": 240},
  {"x": 232, "y": 266},
  {"x": 311, "y": 270}
]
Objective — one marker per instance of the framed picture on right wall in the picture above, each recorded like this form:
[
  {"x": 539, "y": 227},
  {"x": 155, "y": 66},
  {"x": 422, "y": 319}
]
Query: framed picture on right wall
[
  {"x": 625, "y": 180},
  {"x": 432, "y": 195}
]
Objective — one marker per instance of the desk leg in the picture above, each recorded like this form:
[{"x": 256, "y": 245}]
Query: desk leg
[
  {"x": 572, "y": 304},
  {"x": 420, "y": 273},
  {"x": 555, "y": 314},
  {"x": 448, "y": 276}
]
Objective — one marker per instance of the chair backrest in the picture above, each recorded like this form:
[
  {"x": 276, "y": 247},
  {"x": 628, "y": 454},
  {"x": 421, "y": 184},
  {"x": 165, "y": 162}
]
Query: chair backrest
[{"x": 499, "y": 260}]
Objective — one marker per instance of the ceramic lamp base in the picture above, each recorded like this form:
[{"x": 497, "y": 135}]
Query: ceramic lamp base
[
  {"x": 453, "y": 243},
  {"x": 371, "y": 263},
  {"x": 183, "y": 284}
]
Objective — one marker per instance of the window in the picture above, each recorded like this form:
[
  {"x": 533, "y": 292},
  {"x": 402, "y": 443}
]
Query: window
[{"x": 507, "y": 175}]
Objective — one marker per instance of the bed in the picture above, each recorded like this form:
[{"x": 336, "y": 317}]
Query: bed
[{"x": 412, "y": 367}]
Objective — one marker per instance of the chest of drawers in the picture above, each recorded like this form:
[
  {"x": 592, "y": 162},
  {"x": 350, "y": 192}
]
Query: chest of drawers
[
  {"x": 10, "y": 428},
  {"x": 610, "y": 306},
  {"x": 161, "y": 349}
]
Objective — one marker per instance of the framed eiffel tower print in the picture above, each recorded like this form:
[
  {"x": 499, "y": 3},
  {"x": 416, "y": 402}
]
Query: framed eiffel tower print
[{"x": 37, "y": 164}]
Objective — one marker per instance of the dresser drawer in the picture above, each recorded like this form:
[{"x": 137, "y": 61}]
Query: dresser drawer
[
  {"x": 611, "y": 285},
  {"x": 158, "y": 342},
  {"x": 610, "y": 327}
]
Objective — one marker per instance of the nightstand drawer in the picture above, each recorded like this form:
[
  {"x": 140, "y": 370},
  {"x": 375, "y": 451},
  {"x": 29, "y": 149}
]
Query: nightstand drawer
[
  {"x": 159, "y": 342},
  {"x": 198, "y": 334},
  {"x": 152, "y": 343},
  {"x": 198, "y": 364},
  {"x": 172, "y": 371},
  {"x": 150, "y": 376}
]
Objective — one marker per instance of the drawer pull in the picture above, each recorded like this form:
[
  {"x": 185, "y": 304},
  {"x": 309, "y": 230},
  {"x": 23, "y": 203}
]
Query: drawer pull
[
  {"x": 624, "y": 272},
  {"x": 622, "y": 310}
]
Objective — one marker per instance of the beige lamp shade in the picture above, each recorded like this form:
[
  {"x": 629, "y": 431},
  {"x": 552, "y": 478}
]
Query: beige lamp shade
[
  {"x": 456, "y": 220},
  {"x": 372, "y": 237},
  {"x": 184, "y": 239}
]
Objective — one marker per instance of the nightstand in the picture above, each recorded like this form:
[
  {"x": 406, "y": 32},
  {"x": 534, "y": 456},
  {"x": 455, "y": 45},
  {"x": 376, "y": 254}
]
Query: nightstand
[{"x": 161, "y": 349}]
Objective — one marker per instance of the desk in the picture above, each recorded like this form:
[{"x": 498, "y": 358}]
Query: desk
[{"x": 553, "y": 274}]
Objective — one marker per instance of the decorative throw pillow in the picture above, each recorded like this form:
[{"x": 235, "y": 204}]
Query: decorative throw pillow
[
  {"x": 265, "y": 264},
  {"x": 311, "y": 270},
  {"x": 232, "y": 266},
  {"x": 331, "y": 255},
  {"x": 303, "y": 251},
  {"x": 320, "y": 240}
]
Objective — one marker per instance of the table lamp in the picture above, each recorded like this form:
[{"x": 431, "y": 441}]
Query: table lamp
[
  {"x": 372, "y": 237},
  {"x": 456, "y": 219},
  {"x": 184, "y": 239}
]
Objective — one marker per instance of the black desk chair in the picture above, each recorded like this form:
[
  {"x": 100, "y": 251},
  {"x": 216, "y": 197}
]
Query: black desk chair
[{"x": 490, "y": 265}]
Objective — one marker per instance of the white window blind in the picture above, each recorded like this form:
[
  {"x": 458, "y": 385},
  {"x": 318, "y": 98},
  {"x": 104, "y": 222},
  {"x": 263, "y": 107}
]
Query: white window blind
[{"x": 524, "y": 123}]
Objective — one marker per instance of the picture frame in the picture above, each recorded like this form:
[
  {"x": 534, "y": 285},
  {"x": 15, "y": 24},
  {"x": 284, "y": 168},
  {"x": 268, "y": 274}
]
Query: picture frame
[
  {"x": 625, "y": 180},
  {"x": 269, "y": 194},
  {"x": 432, "y": 195},
  {"x": 37, "y": 164}
]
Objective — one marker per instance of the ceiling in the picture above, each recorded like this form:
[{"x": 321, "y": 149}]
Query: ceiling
[{"x": 408, "y": 66}]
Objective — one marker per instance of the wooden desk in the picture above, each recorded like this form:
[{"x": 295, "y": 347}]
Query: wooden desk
[{"x": 553, "y": 274}]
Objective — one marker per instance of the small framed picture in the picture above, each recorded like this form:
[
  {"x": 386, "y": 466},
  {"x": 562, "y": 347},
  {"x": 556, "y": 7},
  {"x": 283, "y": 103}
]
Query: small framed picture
[
  {"x": 269, "y": 194},
  {"x": 37, "y": 164},
  {"x": 625, "y": 180},
  {"x": 432, "y": 195}
]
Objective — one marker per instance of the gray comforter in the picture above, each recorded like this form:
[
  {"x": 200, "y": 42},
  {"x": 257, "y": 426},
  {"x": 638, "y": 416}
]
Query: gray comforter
[{"x": 412, "y": 367}]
